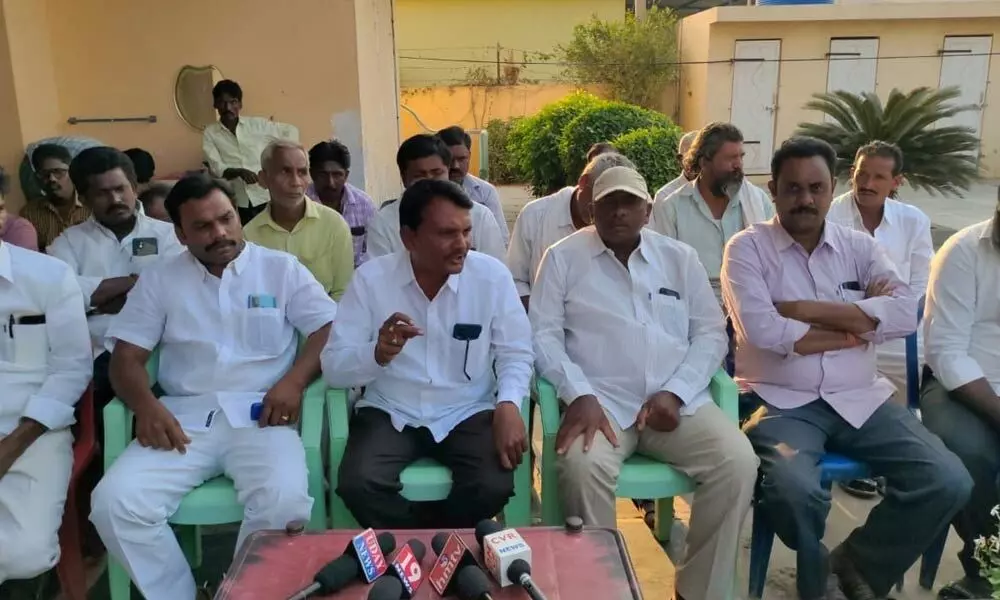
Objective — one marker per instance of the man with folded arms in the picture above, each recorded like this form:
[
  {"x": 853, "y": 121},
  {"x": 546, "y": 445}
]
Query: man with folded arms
[
  {"x": 226, "y": 316},
  {"x": 603, "y": 296},
  {"x": 810, "y": 300}
]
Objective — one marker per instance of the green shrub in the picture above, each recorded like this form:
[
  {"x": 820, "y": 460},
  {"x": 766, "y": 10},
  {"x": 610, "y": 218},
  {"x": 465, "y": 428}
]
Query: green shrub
[
  {"x": 533, "y": 142},
  {"x": 654, "y": 152},
  {"x": 600, "y": 124},
  {"x": 502, "y": 169}
]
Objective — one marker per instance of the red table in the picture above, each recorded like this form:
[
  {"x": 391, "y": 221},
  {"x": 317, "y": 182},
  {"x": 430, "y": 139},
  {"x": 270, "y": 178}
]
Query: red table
[{"x": 591, "y": 565}]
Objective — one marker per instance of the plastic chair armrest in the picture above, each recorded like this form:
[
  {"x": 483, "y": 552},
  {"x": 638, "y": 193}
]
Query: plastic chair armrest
[
  {"x": 338, "y": 414},
  {"x": 548, "y": 404},
  {"x": 117, "y": 430},
  {"x": 313, "y": 402},
  {"x": 726, "y": 394}
]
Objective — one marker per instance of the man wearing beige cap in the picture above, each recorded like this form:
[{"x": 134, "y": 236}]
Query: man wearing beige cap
[{"x": 627, "y": 330}]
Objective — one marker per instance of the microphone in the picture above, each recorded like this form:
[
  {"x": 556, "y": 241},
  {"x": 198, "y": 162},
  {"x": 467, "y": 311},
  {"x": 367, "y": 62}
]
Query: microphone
[
  {"x": 386, "y": 588},
  {"x": 453, "y": 555},
  {"x": 484, "y": 528},
  {"x": 519, "y": 572},
  {"x": 501, "y": 549},
  {"x": 405, "y": 569},
  {"x": 473, "y": 584},
  {"x": 363, "y": 556}
]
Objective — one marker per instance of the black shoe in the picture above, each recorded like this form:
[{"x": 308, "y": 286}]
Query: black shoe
[
  {"x": 852, "y": 583},
  {"x": 860, "y": 488},
  {"x": 965, "y": 588}
]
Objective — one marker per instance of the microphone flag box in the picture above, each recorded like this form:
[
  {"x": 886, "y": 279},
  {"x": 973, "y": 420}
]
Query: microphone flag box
[
  {"x": 369, "y": 555},
  {"x": 407, "y": 568},
  {"x": 502, "y": 548},
  {"x": 447, "y": 563}
]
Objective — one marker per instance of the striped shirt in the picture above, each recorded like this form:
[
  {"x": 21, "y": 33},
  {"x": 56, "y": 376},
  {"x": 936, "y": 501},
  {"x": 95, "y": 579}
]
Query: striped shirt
[{"x": 48, "y": 222}]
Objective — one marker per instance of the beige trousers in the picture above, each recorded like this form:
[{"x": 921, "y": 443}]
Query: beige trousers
[{"x": 710, "y": 449}]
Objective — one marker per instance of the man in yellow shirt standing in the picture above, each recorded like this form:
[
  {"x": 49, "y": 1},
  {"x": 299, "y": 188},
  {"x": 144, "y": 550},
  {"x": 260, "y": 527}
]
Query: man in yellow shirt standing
[{"x": 315, "y": 234}]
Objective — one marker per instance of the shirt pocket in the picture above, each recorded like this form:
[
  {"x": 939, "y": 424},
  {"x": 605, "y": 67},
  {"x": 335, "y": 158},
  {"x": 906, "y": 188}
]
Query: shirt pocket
[
  {"x": 672, "y": 314},
  {"x": 31, "y": 345},
  {"x": 263, "y": 330},
  {"x": 477, "y": 362}
]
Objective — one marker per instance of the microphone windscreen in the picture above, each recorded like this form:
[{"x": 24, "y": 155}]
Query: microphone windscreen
[
  {"x": 486, "y": 527},
  {"x": 338, "y": 573},
  {"x": 438, "y": 541},
  {"x": 386, "y": 542},
  {"x": 517, "y": 568},
  {"x": 386, "y": 588},
  {"x": 472, "y": 583},
  {"x": 418, "y": 548}
]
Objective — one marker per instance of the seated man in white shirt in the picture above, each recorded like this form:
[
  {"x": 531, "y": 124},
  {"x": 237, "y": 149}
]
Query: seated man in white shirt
[
  {"x": 108, "y": 251},
  {"x": 438, "y": 338},
  {"x": 426, "y": 157},
  {"x": 547, "y": 220},
  {"x": 225, "y": 317},
  {"x": 479, "y": 190},
  {"x": 45, "y": 364},
  {"x": 627, "y": 330},
  {"x": 960, "y": 397},
  {"x": 683, "y": 145}
]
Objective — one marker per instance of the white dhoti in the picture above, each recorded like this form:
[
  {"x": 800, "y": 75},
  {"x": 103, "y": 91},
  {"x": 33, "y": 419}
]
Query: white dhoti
[
  {"x": 32, "y": 496},
  {"x": 144, "y": 487}
]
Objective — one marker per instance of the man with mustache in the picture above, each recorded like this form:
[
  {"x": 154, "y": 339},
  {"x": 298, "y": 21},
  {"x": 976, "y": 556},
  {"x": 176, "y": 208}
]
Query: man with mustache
[
  {"x": 904, "y": 232},
  {"x": 108, "y": 251},
  {"x": 479, "y": 190},
  {"x": 59, "y": 208},
  {"x": 438, "y": 339},
  {"x": 226, "y": 317},
  {"x": 706, "y": 212},
  {"x": 233, "y": 146},
  {"x": 810, "y": 300},
  {"x": 315, "y": 234},
  {"x": 960, "y": 396}
]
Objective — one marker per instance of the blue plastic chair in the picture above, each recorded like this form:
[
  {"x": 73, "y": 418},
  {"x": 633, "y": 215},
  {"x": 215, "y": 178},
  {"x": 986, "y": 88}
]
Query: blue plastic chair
[{"x": 835, "y": 467}]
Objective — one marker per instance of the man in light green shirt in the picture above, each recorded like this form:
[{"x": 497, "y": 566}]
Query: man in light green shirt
[{"x": 318, "y": 236}]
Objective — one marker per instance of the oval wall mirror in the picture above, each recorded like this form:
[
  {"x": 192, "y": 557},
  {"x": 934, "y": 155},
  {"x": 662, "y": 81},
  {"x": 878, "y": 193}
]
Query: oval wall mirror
[{"x": 193, "y": 95}]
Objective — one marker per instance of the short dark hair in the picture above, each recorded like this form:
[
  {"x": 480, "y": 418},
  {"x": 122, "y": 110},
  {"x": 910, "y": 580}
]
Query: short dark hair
[
  {"x": 330, "y": 151},
  {"x": 600, "y": 148},
  {"x": 803, "y": 147},
  {"x": 4, "y": 182},
  {"x": 97, "y": 160},
  {"x": 193, "y": 187},
  {"x": 416, "y": 198},
  {"x": 227, "y": 87},
  {"x": 157, "y": 190},
  {"x": 47, "y": 151},
  {"x": 420, "y": 146},
  {"x": 145, "y": 166},
  {"x": 455, "y": 136},
  {"x": 708, "y": 142},
  {"x": 882, "y": 150}
]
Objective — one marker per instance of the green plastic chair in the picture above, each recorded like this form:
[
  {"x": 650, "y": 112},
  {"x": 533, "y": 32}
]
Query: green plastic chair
[
  {"x": 425, "y": 480},
  {"x": 213, "y": 502},
  {"x": 640, "y": 477}
]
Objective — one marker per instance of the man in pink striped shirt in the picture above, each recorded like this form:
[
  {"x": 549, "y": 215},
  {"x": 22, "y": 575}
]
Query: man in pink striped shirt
[{"x": 810, "y": 300}]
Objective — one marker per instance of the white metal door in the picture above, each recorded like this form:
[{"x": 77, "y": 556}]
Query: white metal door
[
  {"x": 851, "y": 66},
  {"x": 755, "y": 99},
  {"x": 965, "y": 64}
]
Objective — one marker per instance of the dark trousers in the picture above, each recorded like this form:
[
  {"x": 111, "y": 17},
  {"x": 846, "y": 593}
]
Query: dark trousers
[
  {"x": 376, "y": 454},
  {"x": 925, "y": 486},
  {"x": 247, "y": 214},
  {"x": 970, "y": 437}
]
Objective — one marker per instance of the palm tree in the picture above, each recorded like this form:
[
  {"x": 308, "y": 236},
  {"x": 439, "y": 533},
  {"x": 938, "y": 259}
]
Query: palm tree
[{"x": 937, "y": 158}]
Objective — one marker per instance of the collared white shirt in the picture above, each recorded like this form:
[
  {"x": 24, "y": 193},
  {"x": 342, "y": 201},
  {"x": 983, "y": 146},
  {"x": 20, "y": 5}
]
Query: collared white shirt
[
  {"x": 685, "y": 216},
  {"x": 384, "y": 238},
  {"x": 485, "y": 193},
  {"x": 625, "y": 334},
  {"x": 95, "y": 253},
  {"x": 426, "y": 384},
  {"x": 962, "y": 314},
  {"x": 670, "y": 187},
  {"x": 905, "y": 235},
  {"x": 223, "y": 341},
  {"x": 45, "y": 356},
  {"x": 224, "y": 150},
  {"x": 540, "y": 224}
]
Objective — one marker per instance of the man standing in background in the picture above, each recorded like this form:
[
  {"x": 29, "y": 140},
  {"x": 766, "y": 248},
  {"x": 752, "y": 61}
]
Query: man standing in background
[
  {"x": 59, "y": 208},
  {"x": 233, "y": 146},
  {"x": 329, "y": 168},
  {"x": 460, "y": 145},
  {"x": 683, "y": 145}
]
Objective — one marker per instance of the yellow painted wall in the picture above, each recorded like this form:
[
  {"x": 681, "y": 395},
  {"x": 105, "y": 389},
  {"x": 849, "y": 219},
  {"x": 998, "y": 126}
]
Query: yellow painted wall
[
  {"x": 903, "y": 31},
  {"x": 465, "y": 30}
]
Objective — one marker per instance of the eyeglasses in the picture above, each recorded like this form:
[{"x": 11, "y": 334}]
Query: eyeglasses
[{"x": 58, "y": 172}]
